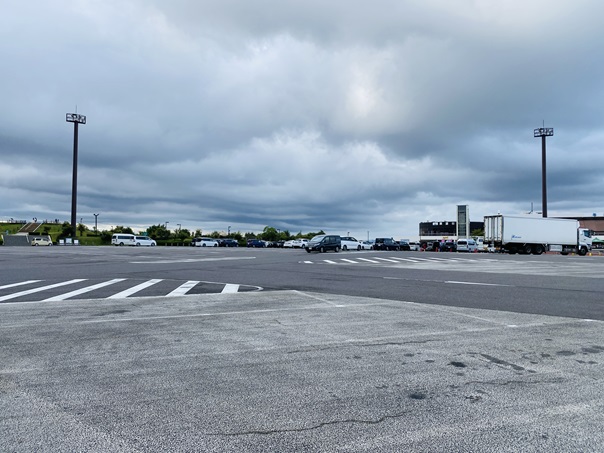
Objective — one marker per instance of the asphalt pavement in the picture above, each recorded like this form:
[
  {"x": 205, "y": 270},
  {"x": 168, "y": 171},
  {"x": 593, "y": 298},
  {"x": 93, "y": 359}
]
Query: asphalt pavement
[{"x": 295, "y": 371}]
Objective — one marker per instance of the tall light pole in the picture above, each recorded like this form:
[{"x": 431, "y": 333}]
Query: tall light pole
[
  {"x": 543, "y": 132},
  {"x": 75, "y": 119},
  {"x": 95, "y": 222},
  {"x": 229, "y": 231}
]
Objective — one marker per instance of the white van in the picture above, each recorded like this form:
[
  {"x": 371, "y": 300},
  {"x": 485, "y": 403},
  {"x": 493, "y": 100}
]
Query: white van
[
  {"x": 123, "y": 239},
  {"x": 467, "y": 245}
]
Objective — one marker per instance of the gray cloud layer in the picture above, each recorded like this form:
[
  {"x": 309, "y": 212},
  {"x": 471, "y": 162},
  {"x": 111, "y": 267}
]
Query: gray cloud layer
[{"x": 300, "y": 115}]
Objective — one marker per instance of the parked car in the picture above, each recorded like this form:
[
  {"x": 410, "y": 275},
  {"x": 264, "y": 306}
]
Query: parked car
[
  {"x": 366, "y": 245},
  {"x": 350, "y": 243},
  {"x": 255, "y": 243},
  {"x": 467, "y": 245},
  {"x": 299, "y": 243},
  {"x": 288, "y": 244},
  {"x": 385, "y": 244},
  {"x": 448, "y": 246},
  {"x": 205, "y": 242},
  {"x": 41, "y": 240},
  {"x": 228, "y": 243},
  {"x": 404, "y": 245},
  {"x": 414, "y": 246},
  {"x": 324, "y": 243},
  {"x": 145, "y": 240}
]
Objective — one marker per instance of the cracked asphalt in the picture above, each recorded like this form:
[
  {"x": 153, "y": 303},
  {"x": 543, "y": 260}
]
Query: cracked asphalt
[{"x": 293, "y": 371}]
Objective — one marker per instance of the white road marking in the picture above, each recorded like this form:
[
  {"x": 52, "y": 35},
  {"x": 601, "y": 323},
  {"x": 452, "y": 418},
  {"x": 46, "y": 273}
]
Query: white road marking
[
  {"x": 40, "y": 289},
  {"x": 230, "y": 288},
  {"x": 386, "y": 259},
  {"x": 12, "y": 285},
  {"x": 474, "y": 283},
  {"x": 87, "y": 289},
  {"x": 349, "y": 261},
  {"x": 135, "y": 289},
  {"x": 368, "y": 260},
  {"x": 194, "y": 260},
  {"x": 184, "y": 288}
]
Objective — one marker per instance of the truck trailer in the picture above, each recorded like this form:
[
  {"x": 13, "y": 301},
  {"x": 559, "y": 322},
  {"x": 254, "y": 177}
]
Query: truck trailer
[{"x": 517, "y": 234}]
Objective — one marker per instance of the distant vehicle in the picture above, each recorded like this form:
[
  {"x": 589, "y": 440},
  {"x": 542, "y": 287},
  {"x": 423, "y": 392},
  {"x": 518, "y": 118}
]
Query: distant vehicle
[
  {"x": 41, "y": 240},
  {"x": 350, "y": 243},
  {"x": 288, "y": 244},
  {"x": 366, "y": 245},
  {"x": 324, "y": 243},
  {"x": 205, "y": 242},
  {"x": 414, "y": 246},
  {"x": 448, "y": 246},
  {"x": 536, "y": 235},
  {"x": 386, "y": 244},
  {"x": 299, "y": 243},
  {"x": 123, "y": 239},
  {"x": 228, "y": 243},
  {"x": 145, "y": 240},
  {"x": 467, "y": 245},
  {"x": 404, "y": 245},
  {"x": 255, "y": 243}
]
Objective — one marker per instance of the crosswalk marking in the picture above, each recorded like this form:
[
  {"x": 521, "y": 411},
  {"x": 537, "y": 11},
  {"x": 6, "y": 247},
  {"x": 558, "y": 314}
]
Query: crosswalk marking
[
  {"x": 12, "y": 285},
  {"x": 229, "y": 288},
  {"x": 184, "y": 288},
  {"x": 368, "y": 260},
  {"x": 87, "y": 289},
  {"x": 386, "y": 259},
  {"x": 135, "y": 289},
  {"x": 40, "y": 289}
]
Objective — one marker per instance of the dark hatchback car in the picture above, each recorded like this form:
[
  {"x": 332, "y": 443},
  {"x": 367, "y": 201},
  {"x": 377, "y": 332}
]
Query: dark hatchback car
[
  {"x": 255, "y": 243},
  {"x": 228, "y": 243},
  {"x": 404, "y": 245},
  {"x": 386, "y": 244}
]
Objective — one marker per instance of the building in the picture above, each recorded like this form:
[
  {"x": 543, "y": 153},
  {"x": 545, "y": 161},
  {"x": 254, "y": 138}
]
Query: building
[{"x": 435, "y": 231}]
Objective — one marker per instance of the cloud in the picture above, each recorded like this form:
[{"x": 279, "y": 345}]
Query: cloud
[{"x": 300, "y": 115}]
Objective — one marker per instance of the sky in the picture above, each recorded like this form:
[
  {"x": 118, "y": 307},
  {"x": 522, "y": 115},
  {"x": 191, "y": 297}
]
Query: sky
[{"x": 351, "y": 117}]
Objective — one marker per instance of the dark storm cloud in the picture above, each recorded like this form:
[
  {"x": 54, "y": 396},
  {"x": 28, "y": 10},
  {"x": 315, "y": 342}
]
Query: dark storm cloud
[{"x": 302, "y": 115}]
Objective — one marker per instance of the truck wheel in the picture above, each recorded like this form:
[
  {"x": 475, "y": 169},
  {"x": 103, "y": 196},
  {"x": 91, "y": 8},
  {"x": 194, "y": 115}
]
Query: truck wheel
[
  {"x": 528, "y": 249},
  {"x": 538, "y": 250},
  {"x": 583, "y": 251}
]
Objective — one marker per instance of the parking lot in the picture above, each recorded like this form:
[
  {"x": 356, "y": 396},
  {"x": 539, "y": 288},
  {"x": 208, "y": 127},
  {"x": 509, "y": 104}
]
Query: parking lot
[{"x": 415, "y": 367}]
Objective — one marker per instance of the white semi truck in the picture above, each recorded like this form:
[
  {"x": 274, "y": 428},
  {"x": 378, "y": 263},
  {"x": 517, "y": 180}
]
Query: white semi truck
[{"x": 517, "y": 234}]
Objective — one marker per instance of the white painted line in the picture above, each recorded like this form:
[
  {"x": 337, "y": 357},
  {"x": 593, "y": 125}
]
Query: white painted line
[
  {"x": 184, "y": 288},
  {"x": 386, "y": 259},
  {"x": 474, "y": 283},
  {"x": 12, "y": 285},
  {"x": 194, "y": 260},
  {"x": 40, "y": 289},
  {"x": 87, "y": 289},
  {"x": 135, "y": 289},
  {"x": 368, "y": 260},
  {"x": 330, "y": 262},
  {"x": 307, "y": 262},
  {"x": 230, "y": 288},
  {"x": 349, "y": 261}
]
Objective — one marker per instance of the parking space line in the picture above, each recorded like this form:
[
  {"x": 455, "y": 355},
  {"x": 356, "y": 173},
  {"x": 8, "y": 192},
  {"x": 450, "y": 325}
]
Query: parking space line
[
  {"x": 368, "y": 260},
  {"x": 135, "y": 289},
  {"x": 12, "y": 285},
  {"x": 184, "y": 288},
  {"x": 87, "y": 289},
  {"x": 330, "y": 261},
  {"x": 349, "y": 261},
  {"x": 40, "y": 289}
]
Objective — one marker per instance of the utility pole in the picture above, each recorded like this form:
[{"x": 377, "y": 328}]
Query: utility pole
[
  {"x": 75, "y": 119},
  {"x": 543, "y": 132}
]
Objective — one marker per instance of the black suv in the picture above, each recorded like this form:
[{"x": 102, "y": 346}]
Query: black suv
[
  {"x": 324, "y": 243},
  {"x": 386, "y": 244}
]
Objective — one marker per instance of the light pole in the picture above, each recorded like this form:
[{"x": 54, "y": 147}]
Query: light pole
[
  {"x": 167, "y": 225},
  {"x": 543, "y": 132},
  {"x": 178, "y": 225},
  {"x": 75, "y": 119},
  {"x": 95, "y": 222},
  {"x": 229, "y": 231}
]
